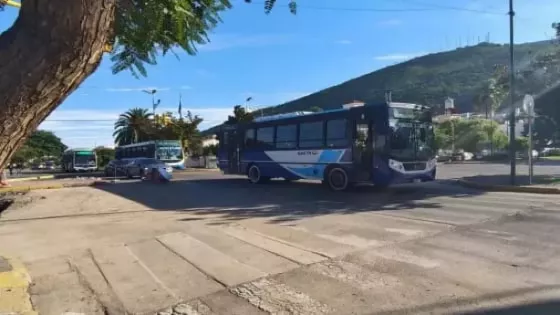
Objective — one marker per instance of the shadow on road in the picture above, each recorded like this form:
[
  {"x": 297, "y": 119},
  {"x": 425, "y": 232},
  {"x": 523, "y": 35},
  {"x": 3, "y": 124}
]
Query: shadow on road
[
  {"x": 538, "y": 308},
  {"x": 236, "y": 199},
  {"x": 530, "y": 305}
]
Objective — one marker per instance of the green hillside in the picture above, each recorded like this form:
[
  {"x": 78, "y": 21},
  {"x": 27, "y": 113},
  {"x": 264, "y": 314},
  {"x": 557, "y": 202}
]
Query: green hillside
[{"x": 429, "y": 79}]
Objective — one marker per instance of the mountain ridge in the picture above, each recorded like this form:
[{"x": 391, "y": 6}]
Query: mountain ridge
[{"x": 460, "y": 73}]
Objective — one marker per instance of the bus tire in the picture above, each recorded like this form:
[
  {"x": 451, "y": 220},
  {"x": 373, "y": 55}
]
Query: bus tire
[
  {"x": 254, "y": 175},
  {"x": 337, "y": 179}
]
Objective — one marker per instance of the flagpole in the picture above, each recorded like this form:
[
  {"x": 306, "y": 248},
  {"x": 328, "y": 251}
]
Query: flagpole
[{"x": 180, "y": 106}]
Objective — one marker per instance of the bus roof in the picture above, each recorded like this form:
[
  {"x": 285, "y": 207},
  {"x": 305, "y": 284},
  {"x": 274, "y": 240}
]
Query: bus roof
[
  {"x": 139, "y": 144},
  {"x": 79, "y": 149}
]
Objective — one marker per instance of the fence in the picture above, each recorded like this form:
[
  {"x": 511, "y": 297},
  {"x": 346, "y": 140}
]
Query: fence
[{"x": 201, "y": 162}]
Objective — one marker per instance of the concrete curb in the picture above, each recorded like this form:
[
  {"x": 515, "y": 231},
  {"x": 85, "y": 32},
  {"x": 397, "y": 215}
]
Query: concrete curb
[
  {"x": 14, "y": 288},
  {"x": 24, "y": 179},
  {"x": 17, "y": 189},
  {"x": 504, "y": 188}
]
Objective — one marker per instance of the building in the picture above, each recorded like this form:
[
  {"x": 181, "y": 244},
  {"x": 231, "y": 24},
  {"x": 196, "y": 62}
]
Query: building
[{"x": 210, "y": 141}]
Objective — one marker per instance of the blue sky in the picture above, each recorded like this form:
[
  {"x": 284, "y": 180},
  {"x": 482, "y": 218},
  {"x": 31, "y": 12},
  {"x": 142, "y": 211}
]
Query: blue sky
[{"x": 279, "y": 57}]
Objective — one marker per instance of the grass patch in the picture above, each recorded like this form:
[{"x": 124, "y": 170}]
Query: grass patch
[{"x": 551, "y": 158}]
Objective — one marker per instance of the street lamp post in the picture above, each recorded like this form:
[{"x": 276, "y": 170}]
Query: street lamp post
[
  {"x": 154, "y": 103},
  {"x": 529, "y": 113},
  {"x": 511, "y": 96}
]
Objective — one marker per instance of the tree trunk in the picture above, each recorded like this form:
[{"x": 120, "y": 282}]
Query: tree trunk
[{"x": 50, "y": 50}]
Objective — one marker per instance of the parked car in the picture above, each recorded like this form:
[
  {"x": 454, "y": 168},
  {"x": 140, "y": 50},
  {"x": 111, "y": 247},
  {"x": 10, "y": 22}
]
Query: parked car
[
  {"x": 137, "y": 167},
  {"x": 462, "y": 156},
  {"x": 116, "y": 167}
]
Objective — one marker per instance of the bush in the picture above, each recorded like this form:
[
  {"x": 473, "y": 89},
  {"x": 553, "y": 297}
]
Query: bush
[{"x": 553, "y": 152}]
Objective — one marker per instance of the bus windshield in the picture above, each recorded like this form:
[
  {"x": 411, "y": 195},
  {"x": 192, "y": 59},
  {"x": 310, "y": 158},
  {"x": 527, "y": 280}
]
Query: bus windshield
[
  {"x": 84, "y": 159},
  {"x": 411, "y": 140},
  {"x": 169, "y": 153}
]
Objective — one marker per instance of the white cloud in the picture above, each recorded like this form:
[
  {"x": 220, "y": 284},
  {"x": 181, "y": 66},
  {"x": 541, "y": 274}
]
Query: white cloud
[
  {"x": 390, "y": 22},
  {"x": 399, "y": 56},
  {"x": 343, "y": 42},
  {"x": 226, "y": 41},
  {"x": 137, "y": 89}
]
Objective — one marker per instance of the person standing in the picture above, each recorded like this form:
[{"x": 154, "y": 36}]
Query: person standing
[{"x": 3, "y": 179}]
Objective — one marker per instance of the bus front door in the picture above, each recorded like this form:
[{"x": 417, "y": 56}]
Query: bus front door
[
  {"x": 233, "y": 153},
  {"x": 363, "y": 150}
]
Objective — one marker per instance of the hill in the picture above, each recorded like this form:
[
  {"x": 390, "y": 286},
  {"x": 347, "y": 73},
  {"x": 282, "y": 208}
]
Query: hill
[{"x": 460, "y": 74}]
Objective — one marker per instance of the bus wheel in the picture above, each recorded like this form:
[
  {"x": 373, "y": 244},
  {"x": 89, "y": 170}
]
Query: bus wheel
[
  {"x": 337, "y": 179},
  {"x": 254, "y": 175}
]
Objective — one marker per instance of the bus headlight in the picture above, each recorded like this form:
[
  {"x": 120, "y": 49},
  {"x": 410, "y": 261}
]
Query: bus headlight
[{"x": 396, "y": 165}]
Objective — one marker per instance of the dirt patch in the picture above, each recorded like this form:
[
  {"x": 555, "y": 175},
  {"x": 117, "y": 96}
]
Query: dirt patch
[
  {"x": 15, "y": 200},
  {"x": 5, "y": 203}
]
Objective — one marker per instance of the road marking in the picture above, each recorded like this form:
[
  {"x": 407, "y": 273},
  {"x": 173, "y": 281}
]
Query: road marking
[
  {"x": 179, "y": 277},
  {"x": 212, "y": 262},
  {"x": 281, "y": 249},
  {"x": 298, "y": 237},
  {"x": 131, "y": 282},
  {"x": 277, "y": 298},
  {"x": 243, "y": 252},
  {"x": 92, "y": 276}
]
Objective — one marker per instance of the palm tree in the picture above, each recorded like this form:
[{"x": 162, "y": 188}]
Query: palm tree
[{"x": 132, "y": 126}]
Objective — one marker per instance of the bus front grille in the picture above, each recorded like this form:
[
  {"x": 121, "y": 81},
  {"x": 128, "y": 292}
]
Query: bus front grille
[{"x": 414, "y": 166}]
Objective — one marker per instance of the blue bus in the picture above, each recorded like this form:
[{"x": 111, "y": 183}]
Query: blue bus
[
  {"x": 382, "y": 144},
  {"x": 167, "y": 151}
]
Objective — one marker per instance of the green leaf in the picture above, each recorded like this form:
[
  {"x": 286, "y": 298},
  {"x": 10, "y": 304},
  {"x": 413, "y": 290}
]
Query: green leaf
[{"x": 145, "y": 29}]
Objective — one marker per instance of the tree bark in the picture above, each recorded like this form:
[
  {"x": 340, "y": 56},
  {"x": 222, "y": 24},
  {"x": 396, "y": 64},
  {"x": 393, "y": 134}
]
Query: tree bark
[{"x": 50, "y": 50}]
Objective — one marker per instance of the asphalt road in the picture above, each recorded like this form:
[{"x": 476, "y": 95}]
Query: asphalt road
[{"x": 219, "y": 245}]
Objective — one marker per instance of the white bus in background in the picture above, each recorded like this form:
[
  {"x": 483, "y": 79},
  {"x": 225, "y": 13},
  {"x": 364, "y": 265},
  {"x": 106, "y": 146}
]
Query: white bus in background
[
  {"x": 79, "y": 160},
  {"x": 167, "y": 151}
]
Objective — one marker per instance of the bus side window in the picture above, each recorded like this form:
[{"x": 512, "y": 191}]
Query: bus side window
[
  {"x": 286, "y": 137},
  {"x": 336, "y": 133},
  {"x": 265, "y": 137},
  {"x": 249, "y": 138},
  {"x": 311, "y": 135}
]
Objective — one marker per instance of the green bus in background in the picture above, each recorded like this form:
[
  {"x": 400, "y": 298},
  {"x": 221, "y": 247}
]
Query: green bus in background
[{"x": 79, "y": 160}]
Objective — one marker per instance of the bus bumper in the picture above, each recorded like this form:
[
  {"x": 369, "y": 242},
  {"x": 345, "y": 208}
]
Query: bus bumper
[{"x": 403, "y": 178}]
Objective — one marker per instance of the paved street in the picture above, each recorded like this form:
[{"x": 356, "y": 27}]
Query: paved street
[{"x": 217, "y": 245}]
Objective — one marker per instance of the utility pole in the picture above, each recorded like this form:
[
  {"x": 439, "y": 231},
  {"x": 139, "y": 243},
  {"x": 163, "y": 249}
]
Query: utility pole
[{"x": 511, "y": 97}]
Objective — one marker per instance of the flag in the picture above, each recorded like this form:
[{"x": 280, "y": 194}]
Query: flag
[
  {"x": 249, "y": 99},
  {"x": 180, "y": 106}
]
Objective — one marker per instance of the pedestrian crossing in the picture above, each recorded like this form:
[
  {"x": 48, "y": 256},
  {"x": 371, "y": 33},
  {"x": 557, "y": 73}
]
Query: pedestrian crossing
[{"x": 431, "y": 255}]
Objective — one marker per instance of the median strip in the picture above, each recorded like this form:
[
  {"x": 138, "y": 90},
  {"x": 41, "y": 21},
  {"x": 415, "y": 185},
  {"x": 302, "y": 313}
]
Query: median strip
[{"x": 507, "y": 188}]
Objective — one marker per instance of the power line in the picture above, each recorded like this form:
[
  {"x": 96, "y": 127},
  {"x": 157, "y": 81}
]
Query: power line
[
  {"x": 453, "y": 8},
  {"x": 434, "y": 7}
]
